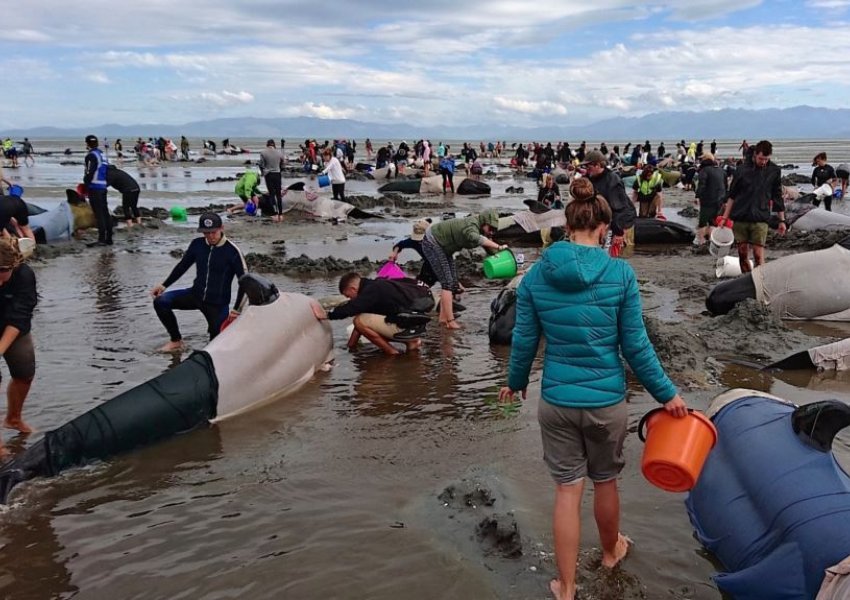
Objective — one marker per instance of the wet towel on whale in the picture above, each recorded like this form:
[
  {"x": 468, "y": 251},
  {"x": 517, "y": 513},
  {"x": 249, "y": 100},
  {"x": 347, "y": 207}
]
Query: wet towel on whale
[{"x": 531, "y": 222}]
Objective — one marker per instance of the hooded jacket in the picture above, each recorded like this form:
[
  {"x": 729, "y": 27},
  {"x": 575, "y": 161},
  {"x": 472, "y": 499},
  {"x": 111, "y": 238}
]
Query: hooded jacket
[
  {"x": 386, "y": 297},
  {"x": 753, "y": 189},
  {"x": 587, "y": 306},
  {"x": 456, "y": 234},
  {"x": 609, "y": 185},
  {"x": 711, "y": 190}
]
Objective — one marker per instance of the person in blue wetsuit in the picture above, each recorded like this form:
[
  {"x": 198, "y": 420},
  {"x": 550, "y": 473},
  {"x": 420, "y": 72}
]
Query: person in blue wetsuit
[
  {"x": 217, "y": 261},
  {"x": 587, "y": 306}
]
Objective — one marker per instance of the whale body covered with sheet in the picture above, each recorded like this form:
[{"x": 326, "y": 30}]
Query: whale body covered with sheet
[
  {"x": 270, "y": 351},
  {"x": 772, "y": 503}
]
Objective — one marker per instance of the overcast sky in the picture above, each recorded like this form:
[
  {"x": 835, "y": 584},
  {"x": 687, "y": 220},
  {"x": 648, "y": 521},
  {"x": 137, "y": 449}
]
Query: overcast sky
[{"x": 438, "y": 62}]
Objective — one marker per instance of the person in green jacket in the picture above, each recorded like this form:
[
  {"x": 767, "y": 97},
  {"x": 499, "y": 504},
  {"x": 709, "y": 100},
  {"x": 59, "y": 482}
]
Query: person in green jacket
[
  {"x": 441, "y": 242},
  {"x": 587, "y": 306},
  {"x": 248, "y": 189}
]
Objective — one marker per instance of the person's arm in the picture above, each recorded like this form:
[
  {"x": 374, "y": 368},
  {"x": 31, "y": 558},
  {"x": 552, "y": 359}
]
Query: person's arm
[
  {"x": 635, "y": 344},
  {"x": 814, "y": 177},
  {"x": 177, "y": 272},
  {"x": 525, "y": 339},
  {"x": 19, "y": 315},
  {"x": 363, "y": 303},
  {"x": 778, "y": 202},
  {"x": 262, "y": 164},
  {"x": 624, "y": 217},
  {"x": 90, "y": 168},
  {"x": 239, "y": 268}
]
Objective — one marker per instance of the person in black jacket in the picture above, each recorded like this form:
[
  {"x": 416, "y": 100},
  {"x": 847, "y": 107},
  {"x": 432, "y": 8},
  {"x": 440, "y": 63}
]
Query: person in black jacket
[
  {"x": 823, "y": 173},
  {"x": 609, "y": 185},
  {"x": 129, "y": 188},
  {"x": 756, "y": 190},
  {"x": 18, "y": 297},
  {"x": 217, "y": 262},
  {"x": 711, "y": 194},
  {"x": 371, "y": 301}
]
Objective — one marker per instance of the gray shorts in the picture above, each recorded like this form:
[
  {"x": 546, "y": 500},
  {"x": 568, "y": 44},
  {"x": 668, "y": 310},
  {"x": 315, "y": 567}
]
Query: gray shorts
[{"x": 583, "y": 442}]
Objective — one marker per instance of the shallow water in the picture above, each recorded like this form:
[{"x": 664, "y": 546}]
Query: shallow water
[{"x": 333, "y": 491}]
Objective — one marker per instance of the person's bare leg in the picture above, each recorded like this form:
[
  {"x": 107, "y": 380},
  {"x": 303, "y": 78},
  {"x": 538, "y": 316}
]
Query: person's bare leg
[
  {"x": 447, "y": 316},
  {"x": 173, "y": 346},
  {"x": 16, "y": 393},
  {"x": 606, "y": 510},
  {"x": 758, "y": 255},
  {"x": 375, "y": 337},
  {"x": 353, "y": 339},
  {"x": 567, "y": 529},
  {"x": 744, "y": 257}
]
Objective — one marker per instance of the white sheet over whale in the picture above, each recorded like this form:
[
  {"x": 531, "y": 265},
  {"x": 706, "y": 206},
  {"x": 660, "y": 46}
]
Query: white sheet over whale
[
  {"x": 267, "y": 353},
  {"x": 810, "y": 285}
]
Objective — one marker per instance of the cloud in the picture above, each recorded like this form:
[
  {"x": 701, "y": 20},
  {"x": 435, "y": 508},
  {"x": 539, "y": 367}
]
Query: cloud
[
  {"x": 321, "y": 111},
  {"x": 98, "y": 77},
  {"x": 832, "y": 4},
  {"x": 529, "y": 107},
  {"x": 223, "y": 99}
]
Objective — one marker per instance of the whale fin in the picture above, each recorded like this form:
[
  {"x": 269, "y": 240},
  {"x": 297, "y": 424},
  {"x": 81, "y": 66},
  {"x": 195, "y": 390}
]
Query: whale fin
[
  {"x": 33, "y": 462},
  {"x": 259, "y": 290},
  {"x": 816, "y": 424}
]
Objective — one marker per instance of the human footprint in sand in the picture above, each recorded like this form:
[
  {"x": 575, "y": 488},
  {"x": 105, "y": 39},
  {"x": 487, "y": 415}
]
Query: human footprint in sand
[{"x": 587, "y": 305}]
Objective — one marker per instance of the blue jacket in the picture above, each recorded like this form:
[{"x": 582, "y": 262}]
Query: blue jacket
[
  {"x": 215, "y": 267},
  {"x": 587, "y": 305}
]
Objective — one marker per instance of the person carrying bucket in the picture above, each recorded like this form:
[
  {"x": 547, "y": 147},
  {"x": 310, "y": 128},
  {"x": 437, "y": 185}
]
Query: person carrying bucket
[
  {"x": 441, "y": 242},
  {"x": 587, "y": 306},
  {"x": 334, "y": 169}
]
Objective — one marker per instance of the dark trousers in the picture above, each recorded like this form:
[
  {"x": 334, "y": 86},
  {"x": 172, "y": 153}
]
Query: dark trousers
[
  {"x": 273, "y": 185},
  {"x": 448, "y": 177},
  {"x": 185, "y": 299},
  {"x": 97, "y": 199},
  {"x": 827, "y": 202},
  {"x": 130, "y": 204},
  {"x": 339, "y": 191}
]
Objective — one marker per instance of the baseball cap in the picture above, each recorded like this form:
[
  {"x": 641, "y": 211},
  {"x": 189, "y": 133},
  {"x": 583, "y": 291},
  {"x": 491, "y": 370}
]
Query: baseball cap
[
  {"x": 91, "y": 139},
  {"x": 594, "y": 156},
  {"x": 419, "y": 229},
  {"x": 209, "y": 222}
]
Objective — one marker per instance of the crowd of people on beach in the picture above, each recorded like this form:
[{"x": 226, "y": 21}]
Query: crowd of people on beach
[{"x": 580, "y": 296}]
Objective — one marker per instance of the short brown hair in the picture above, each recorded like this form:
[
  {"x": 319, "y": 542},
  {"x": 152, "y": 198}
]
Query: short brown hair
[
  {"x": 347, "y": 280},
  {"x": 587, "y": 210},
  {"x": 819, "y": 156}
]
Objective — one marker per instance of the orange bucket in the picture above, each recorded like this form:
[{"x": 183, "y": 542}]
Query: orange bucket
[{"x": 676, "y": 448}]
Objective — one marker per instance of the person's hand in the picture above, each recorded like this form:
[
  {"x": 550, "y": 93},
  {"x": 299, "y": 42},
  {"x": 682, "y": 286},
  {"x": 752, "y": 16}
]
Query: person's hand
[
  {"x": 782, "y": 228},
  {"x": 676, "y": 407},
  {"x": 233, "y": 314},
  {"x": 157, "y": 290},
  {"x": 502, "y": 247},
  {"x": 393, "y": 256},
  {"x": 318, "y": 311},
  {"x": 506, "y": 394}
]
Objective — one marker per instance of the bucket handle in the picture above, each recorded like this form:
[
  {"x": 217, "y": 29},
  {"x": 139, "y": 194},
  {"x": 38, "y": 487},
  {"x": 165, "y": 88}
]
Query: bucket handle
[{"x": 645, "y": 418}]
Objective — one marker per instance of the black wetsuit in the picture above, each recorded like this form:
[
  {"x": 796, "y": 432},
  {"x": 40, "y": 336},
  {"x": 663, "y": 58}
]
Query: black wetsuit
[
  {"x": 129, "y": 188},
  {"x": 820, "y": 176}
]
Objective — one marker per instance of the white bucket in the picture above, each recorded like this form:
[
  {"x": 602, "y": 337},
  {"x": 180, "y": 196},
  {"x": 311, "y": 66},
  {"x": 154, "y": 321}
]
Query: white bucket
[
  {"x": 728, "y": 266},
  {"x": 721, "y": 241},
  {"x": 824, "y": 191}
]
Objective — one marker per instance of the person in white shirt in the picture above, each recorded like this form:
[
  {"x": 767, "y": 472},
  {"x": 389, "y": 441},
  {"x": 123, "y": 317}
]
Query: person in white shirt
[{"x": 333, "y": 168}]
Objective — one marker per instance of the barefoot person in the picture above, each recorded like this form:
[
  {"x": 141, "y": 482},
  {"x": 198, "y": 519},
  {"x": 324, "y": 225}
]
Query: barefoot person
[
  {"x": 374, "y": 302},
  {"x": 217, "y": 262},
  {"x": 587, "y": 306},
  {"x": 441, "y": 242},
  {"x": 18, "y": 298}
]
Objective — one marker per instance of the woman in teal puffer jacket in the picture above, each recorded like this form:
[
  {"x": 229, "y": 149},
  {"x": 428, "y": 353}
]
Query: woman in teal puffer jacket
[{"x": 587, "y": 305}]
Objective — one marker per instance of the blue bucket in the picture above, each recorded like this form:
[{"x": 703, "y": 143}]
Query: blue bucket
[
  {"x": 324, "y": 181},
  {"x": 16, "y": 190}
]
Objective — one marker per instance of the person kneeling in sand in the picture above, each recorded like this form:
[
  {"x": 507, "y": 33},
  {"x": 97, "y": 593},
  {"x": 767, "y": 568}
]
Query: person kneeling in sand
[
  {"x": 375, "y": 305},
  {"x": 217, "y": 262}
]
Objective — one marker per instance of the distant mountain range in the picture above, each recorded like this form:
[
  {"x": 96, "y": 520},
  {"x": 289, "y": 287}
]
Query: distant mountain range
[{"x": 799, "y": 122}]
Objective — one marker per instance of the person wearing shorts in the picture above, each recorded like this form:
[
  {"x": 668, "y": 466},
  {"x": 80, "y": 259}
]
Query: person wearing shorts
[
  {"x": 374, "y": 302},
  {"x": 18, "y": 298},
  {"x": 756, "y": 190},
  {"x": 587, "y": 306},
  {"x": 711, "y": 194}
]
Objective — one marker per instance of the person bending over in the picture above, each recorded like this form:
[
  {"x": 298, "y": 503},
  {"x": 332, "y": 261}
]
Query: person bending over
[
  {"x": 374, "y": 302},
  {"x": 129, "y": 188},
  {"x": 217, "y": 262}
]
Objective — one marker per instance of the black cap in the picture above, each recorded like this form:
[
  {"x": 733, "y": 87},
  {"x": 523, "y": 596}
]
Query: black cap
[
  {"x": 209, "y": 222},
  {"x": 91, "y": 140}
]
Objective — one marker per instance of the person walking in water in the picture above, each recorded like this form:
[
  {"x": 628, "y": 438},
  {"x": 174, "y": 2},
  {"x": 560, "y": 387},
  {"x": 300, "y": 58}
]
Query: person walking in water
[
  {"x": 18, "y": 297},
  {"x": 587, "y": 306},
  {"x": 217, "y": 262},
  {"x": 271, "y": 165},
  {"x": 95, "y": 182}
]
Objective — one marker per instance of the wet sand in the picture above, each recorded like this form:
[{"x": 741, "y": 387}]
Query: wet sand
[{"x": 386, "y": 477}]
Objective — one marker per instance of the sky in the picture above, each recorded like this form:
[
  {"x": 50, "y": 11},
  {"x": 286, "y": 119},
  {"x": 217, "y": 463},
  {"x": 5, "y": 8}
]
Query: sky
[{"x": 433, "y": 63}]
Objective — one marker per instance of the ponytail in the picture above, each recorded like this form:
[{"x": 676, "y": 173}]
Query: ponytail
[{"x": 587, "y": 210}]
